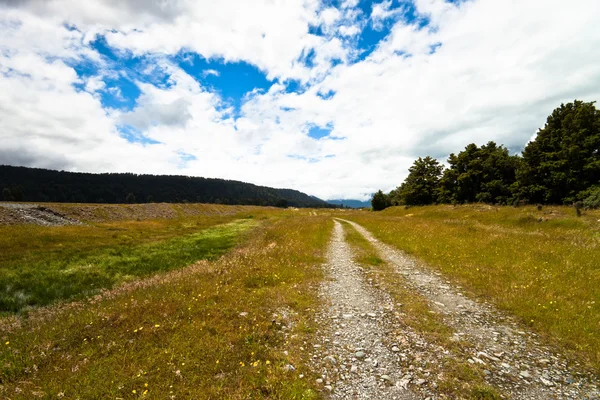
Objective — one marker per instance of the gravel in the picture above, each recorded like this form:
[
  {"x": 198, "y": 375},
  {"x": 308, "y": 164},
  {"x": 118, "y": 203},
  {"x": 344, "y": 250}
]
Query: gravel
[{"x": 515, "y": 360}]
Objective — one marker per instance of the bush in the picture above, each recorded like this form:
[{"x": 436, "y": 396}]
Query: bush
[
  {"x": 380, "y": 201},
  {"x": 593, "y": 198}
]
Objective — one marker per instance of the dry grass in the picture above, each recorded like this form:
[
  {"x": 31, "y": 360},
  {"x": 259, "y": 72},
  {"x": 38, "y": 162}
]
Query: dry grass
[
  {"x": 180, "y": 334},
  {"x": 40, "y": 265},
  {"x": 546, "y": 273},
  {"x": 458, "y": 379}
]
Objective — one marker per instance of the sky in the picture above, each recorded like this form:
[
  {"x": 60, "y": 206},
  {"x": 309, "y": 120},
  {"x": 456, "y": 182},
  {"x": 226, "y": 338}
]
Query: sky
[{"x": 335, "y": 98}]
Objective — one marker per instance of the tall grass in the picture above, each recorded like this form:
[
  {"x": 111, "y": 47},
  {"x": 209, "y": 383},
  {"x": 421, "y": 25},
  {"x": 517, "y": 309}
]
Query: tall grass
[
  {"x": 40, "y": 265},
  {"x": 542, "y": 266},
  {"x": 217, "y": 329},
  {"x": 457, "y": 378}
]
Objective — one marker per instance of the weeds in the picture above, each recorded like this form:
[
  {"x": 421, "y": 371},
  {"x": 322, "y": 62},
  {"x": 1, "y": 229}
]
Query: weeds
[
  {"x": 460, "y": 380},
  {"x": 198, "y": 332},
  {"x": 541, "y": 266},
  {"x": 41, "y": 265}
]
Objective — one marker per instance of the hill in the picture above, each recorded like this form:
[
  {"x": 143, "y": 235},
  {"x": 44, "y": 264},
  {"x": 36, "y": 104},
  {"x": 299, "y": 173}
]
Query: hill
[
  {"x": 350, "y": 203},
  {"x": 43, "y": 185}
]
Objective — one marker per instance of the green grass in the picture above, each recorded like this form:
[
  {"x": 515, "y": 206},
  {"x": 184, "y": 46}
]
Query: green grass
[
  {"x": 458, "y": 378},
  {"x": 546, "y": 273},
  {"x": 40, "y": 265},
  {"x": 179, "y": 334}
]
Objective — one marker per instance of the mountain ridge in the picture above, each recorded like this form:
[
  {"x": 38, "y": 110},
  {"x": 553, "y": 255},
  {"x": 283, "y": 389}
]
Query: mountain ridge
[{"x": 45, "y": 185}]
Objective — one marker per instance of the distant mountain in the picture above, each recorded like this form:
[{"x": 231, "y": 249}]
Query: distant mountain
[
  {"x": 351, "y": 203},
  {"x": 35, "y": 184}
]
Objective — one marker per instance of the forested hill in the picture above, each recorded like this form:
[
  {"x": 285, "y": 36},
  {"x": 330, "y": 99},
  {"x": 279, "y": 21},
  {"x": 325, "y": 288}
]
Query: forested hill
[{"x": 34, "y": 184}]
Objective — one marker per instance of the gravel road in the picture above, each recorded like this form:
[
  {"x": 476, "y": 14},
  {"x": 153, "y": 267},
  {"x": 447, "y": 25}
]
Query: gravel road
[{"x": 360, "y": 354}]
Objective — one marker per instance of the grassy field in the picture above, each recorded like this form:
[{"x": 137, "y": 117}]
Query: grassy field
[
  {"x": 541, "y": 266},
  {"x": 459, "y": 378},
  {"x": 40, "y": 265},
  {"x": 225, "y": 328}
]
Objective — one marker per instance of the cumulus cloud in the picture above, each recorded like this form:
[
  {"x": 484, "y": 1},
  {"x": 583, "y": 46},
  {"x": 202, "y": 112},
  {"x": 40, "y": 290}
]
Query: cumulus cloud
[{"x": 478, "y": 70}]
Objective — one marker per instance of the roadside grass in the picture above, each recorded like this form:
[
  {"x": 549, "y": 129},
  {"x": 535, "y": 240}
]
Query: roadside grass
[
  {"x": 546, "y": 273},
  {"x": 217, "y": 329},
  {"x": 40, "y": 265},
  {"x": 458, "y": 378}
]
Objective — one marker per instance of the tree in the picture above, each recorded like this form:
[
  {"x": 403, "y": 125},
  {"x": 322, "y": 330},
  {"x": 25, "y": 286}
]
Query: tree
[
  {"x": 380, "y": 201},
  {"x": 7, "y": 195},
  {"x": 282, "y": 203},
  {"x": 421, "y": 185},
  {"x": 130, "y": 198},
  {"x": 564, "y": 158},
  {"x": 479, "y": 174}
]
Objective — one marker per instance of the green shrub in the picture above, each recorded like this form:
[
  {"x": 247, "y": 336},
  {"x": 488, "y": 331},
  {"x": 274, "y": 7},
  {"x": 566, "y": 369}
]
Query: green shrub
[{"x": 593, "y": 198}]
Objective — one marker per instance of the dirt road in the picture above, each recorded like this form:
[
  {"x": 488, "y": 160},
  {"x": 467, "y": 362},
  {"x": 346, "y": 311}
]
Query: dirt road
[{"x": 359, "y": 356}]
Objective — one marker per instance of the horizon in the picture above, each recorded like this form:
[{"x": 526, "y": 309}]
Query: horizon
[{"x": 335, "y": 99}]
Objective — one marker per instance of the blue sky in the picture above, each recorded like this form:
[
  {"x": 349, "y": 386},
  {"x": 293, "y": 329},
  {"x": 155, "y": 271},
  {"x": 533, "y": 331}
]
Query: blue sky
[{"x": 335, "y": 98}]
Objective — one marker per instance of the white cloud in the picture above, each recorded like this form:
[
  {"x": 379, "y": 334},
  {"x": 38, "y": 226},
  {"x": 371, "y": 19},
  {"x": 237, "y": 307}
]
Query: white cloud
[
  {"x": 209, "y": 72},
  {"x": 482, "y": 70}
]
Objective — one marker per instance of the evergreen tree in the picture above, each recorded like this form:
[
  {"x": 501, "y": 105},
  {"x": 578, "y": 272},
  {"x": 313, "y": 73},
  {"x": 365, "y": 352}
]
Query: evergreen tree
[
  {"x": 479, "y": 174},
  {"x": 7, "y": 195},
  {"x": 421, "y": 185},
  {"x": 564, "y": 158},
  {"x": 380, "y": 201},
  {"x": 130, "y": 198}
]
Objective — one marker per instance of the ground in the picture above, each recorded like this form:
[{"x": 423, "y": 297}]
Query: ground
[{"x": 298, "y": 303}]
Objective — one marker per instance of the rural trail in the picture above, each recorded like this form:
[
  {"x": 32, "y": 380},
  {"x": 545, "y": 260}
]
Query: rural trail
[
  {"x": 355, "y": 357},
  {"x": 361, "y": 360}
]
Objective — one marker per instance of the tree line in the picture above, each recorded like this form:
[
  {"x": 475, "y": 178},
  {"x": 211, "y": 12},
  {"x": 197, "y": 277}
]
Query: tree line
[
  {"x": 43, "y": 185},
  {"x": 560, "y": 166}
]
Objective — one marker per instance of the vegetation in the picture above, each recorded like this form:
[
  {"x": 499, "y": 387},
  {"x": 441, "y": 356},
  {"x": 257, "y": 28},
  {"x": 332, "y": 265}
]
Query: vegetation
[
  {"x": 459, "y": 378},
  {"x": 34, "y": 184},
  {"x": 541, "y": 266},
  {"x": 380, "y": 201},
  {"x": 421, "y": 184},
  {"x": 479, "y": 174},
  {"x": 217, "y": 329},
  {"x": 560, "y": 166},
  {"x": 40, "y": 265},
  {"x": 564, "y": 158}
]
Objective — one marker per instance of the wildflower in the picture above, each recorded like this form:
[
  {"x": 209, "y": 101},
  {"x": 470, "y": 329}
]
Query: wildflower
[
  {"x": 7, "y": 343},
  {"x": 157, "y": 326},
  {"x": 145, "y": 392},
  {"x": 268, "y": 362},
  {"x": 145, "y": 385},
  {"x": 134, "y": 391}
]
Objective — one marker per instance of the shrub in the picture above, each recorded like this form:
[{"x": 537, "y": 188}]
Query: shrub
[{"x": 593, "y": 198}]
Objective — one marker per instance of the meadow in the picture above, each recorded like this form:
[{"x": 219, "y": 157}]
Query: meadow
[
  {"x": 40, "y": 265},
  {"x": 221, "y": 328},
  {"x": 542, "y": 266},
  {"x": 222, "y": 304}
]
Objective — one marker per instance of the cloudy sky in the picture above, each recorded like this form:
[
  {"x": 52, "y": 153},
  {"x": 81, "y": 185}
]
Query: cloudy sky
[{"x": 334, "y": 98}]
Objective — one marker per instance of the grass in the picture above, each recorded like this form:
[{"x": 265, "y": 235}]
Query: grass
[
  {"x": 458, "y": 378},
  {"x": 181, "y": 334},
  {"x": 41, "y": 265},
  {"x": 546, "y": 273}
]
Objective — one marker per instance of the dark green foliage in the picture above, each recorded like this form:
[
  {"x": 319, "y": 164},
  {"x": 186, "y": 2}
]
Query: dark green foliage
[
  {"x": 592, "y": 197},
  {"x": 130, "y": 198},
  {"x": 479, "y": 174},
  {"x": 7, "y": 195},
  {"x": 564, "y": 158},
  {"x": 421, "y": 185},
  {"x": 380, "y": 201},
  {"x": 282, "y": 203},
  {"x": 33, "y": 184}
]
